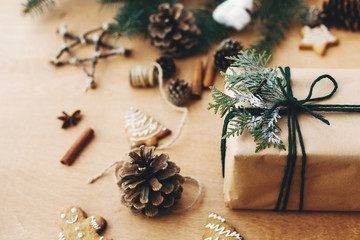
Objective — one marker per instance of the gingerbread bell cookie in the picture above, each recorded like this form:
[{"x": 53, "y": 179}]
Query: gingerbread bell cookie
[
  {"x": 143, "y": 129},
  {"x": 76, "y": 226},
  {"x": 317, "y": 39},
  {"x": 218, "y": 229}
]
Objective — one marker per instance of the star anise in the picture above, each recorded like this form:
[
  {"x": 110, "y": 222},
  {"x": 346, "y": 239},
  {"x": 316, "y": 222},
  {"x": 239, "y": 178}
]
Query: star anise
[{"x": 70, "y": 120}]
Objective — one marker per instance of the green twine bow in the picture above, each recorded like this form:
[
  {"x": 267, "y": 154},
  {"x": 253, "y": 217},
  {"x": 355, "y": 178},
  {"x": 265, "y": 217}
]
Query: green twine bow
[{"x": 293, "y": 107}]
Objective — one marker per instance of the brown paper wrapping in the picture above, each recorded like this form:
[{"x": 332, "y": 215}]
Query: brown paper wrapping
[{"x": 252, "y": 180}]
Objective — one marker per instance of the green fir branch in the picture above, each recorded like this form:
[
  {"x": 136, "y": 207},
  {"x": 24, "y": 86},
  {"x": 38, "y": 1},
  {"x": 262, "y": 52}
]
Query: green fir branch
[
  {"x": 211, "y": 31},
  {"x": 223, "y": 103},
  {"x": 36, "y": 6},
  {"x": 133, "y": 17},
  {"x": 275, "y": 18},
  {"x": 256, "y": 86}
]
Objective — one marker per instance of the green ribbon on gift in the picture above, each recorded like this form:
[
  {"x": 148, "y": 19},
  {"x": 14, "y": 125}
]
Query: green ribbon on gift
[{"x": 292, "y": 107}]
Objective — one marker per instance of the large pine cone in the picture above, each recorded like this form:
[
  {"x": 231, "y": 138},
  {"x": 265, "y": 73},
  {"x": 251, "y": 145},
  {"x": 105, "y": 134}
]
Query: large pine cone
[
  {"x": 151, "y": 183},
  {"x": 173, "y": 31},
  {"x": 227, "y": 48},
  {"x": 343, "y": 14}
]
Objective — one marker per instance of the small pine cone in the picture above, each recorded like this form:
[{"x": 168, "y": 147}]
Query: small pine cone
[
  {"x": 228, "y": 47},
  {"x": 173, "y": 31},
  {"x": 343, "y": 14},
  {"x": 179, "y": 92},
  {"x": 168, "y": 66},
  {"x": 151, "y": 183}
]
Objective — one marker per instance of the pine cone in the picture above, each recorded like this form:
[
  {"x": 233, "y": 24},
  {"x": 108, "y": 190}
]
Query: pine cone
[
  {"x": 168, "y": 66},
  {"x": 228, "y": 47},
  {"x": 179, "y": 92},
  {"x": 151, "y": 183},
  {"x": 173, "y": 31},
  {"x": 342, "y": 14}
]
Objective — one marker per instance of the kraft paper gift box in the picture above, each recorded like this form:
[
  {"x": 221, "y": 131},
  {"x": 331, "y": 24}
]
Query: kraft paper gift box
[{"x": 332, "y": 181}]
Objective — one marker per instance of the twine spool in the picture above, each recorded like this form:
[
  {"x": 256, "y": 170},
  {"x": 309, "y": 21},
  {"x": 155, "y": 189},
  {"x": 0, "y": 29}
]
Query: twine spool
[{"x": 142, "y": 76}]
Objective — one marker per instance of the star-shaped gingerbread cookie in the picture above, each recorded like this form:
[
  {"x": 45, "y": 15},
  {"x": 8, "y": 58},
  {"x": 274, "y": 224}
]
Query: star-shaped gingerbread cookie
[
  {"x": 218, "y": 229},
  {"x": 317, "y": 39}
]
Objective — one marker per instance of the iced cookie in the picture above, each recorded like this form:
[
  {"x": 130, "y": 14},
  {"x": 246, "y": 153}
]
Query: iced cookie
[
  {"x": 75, "y": 225},
  {"x": 317, "y": 39},
  {"x": 143, "y": 129},
  {"x": 218, "y": 229}
]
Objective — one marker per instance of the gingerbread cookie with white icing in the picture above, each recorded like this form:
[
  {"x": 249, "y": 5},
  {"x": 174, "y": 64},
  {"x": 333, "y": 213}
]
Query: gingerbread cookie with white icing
[
  {"x": 317, "y": 39},
  {"x": 75, "y": 225},
  {"x": 143, "y": 129},
  {"x": 218, "y": 229}
]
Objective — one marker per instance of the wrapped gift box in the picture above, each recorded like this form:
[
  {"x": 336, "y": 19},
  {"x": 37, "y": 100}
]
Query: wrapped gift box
[{"x": 252, "y": 180}]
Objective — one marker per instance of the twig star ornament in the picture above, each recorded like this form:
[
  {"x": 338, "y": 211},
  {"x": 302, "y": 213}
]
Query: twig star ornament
[
  {"x": 317, "y": 39},
  {"x": 96, "y": 40}
]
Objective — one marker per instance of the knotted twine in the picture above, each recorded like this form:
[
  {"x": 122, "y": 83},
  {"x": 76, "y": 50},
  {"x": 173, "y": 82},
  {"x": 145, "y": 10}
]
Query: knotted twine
[{"x": 292, "y": 107}]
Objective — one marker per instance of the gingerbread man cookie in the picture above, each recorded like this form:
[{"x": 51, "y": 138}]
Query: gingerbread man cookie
[
  {"x": 76, "y": 226},
  {"x": 317, "y": 39},
  {"x": 218, "y": 229},
  {"x": 143, "y": 129}
]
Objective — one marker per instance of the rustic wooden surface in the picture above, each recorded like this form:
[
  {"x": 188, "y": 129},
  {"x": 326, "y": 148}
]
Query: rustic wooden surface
[{"x": 35, "y": 186}]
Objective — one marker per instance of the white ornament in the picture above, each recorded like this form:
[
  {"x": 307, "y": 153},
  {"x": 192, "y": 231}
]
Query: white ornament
[{"x": 233, "y": 13}]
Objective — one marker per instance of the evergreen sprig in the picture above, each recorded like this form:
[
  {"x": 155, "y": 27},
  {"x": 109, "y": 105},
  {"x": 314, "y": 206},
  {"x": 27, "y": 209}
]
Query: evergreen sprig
[
  {"x": 275, "y": 18},
  {"x": 132, "y": 18},
  {"x": 256, "y": 86},
  {"x": 37, "y": 6}
]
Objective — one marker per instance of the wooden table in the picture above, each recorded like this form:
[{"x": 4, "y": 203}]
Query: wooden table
[{"x": 35, "y": 186}]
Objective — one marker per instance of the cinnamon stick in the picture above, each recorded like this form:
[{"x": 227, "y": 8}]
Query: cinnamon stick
[
  {"x": 196, "y": 84},
  {"x": 209, "y": 72},
  {"x": 77, "y": 147}
]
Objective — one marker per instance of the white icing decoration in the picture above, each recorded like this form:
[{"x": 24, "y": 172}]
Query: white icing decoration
[
  {"x": 73, "y": 210},
  {"x": 73, "y": 221},
  {"x": 101, "y": 238},
  {"x": 222, "y": 230},
  {"x": 214, "y": 216},
  {"x": 63, "y": 216},
  {"x": 140, "y": 126},
  {"x": 152, "y": 126},
  {"x": 80, "y": 235},
  {"x": 77, "y": 229},
  {"x": 94, "y": 223},
  {"x": 318, "y": 35},
  {"x": 61, "y": 236}
]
